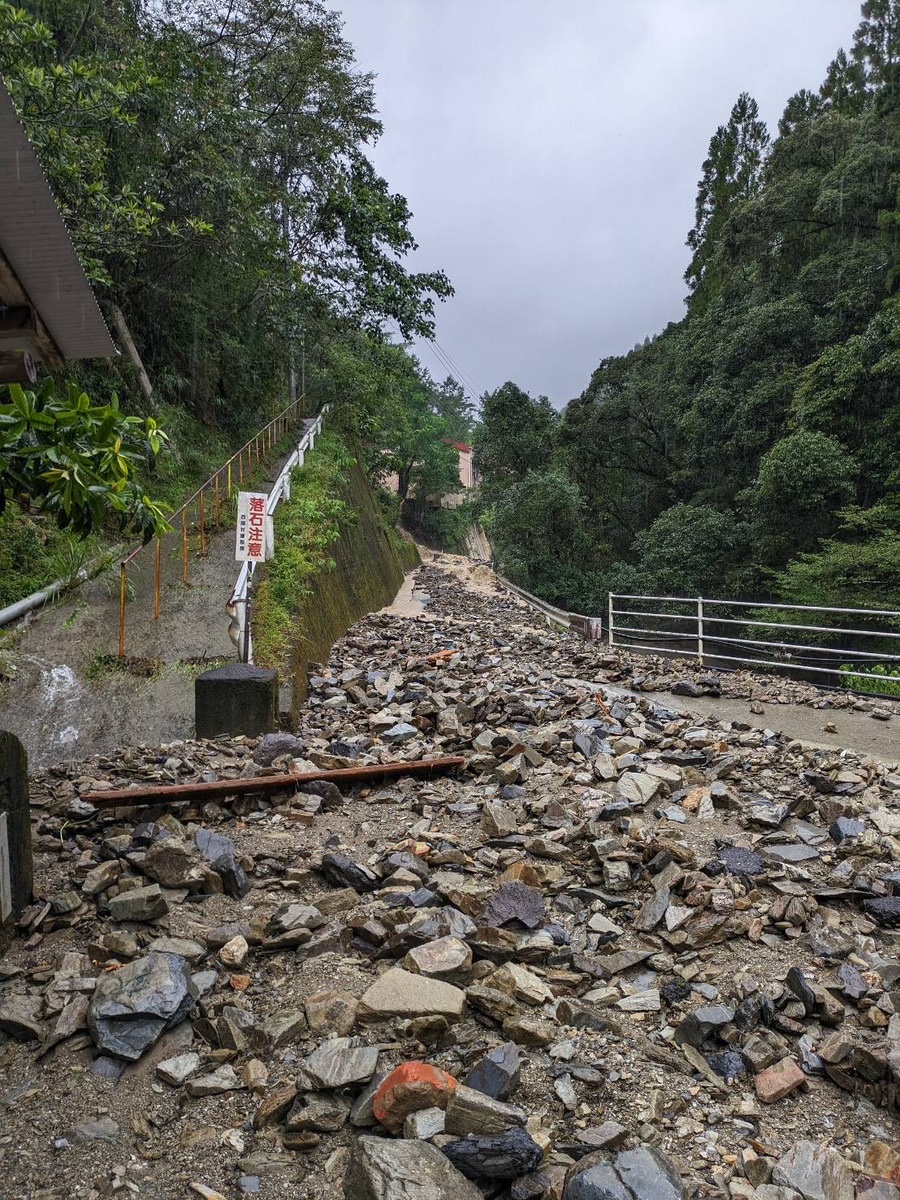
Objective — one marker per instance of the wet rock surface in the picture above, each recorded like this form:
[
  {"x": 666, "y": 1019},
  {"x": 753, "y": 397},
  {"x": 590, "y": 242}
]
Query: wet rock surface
[{"x": 626, "y": 952}]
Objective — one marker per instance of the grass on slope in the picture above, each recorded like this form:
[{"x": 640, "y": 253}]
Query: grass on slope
[{"x": 305, "y": 527}]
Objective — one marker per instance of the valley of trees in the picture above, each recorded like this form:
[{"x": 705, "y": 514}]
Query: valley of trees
[{"x": 750, "y": 449}]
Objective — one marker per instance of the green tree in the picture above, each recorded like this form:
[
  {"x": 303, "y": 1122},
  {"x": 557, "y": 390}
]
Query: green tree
[
  {"x": 732, "y": 172},
  {"x": 514, "y": 436},
  {"x": 451, "y": 403},
  {"x": 77, "y": 461},
  {"x": 802, "y": 483},
  {"x": 687, "y": 551}
]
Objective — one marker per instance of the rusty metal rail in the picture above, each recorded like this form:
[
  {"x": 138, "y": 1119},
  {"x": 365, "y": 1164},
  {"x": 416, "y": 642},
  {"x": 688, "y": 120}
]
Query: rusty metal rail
[
  {"x": 217, "y": 788},
  {"x": 204, "y": 509}
]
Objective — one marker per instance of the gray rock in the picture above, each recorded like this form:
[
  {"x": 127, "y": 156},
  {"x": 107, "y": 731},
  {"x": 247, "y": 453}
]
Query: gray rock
[
  {"x": 424, "y": 1124},
  {"x": 649, "y": 1174},
  {"x": 339, "y": 1063},
  {"x": 176, "y": 1070},
  {"x": 469, "y": 1111},
  {"x": 503, "y": 1156},
  {"x": 497, "y": 1074},
  {"x": 133, "y": 1006},
  {"x": 104, "y": 1129},
  {"x": 401, "y": 732},
  {"x": 739, "y": 861},
  {"x": 793, "y": 852},
  {"x": 223, "y": 1079},
  {"x": 653, "y": 910},
  {"x": 318, "y": 1112},
  {"x": 140, "y": 904},
  {"x": 399, "y": 993},
  {"x": 596, "y": 1182},
  {"x": 514, "y": 902},
  {"x": 814, "y": 1171},
  {"x": 274, "y": 745},
  {"x": 388, "y": 1169},
  {"x": 173, "y": 863},
  {"x": 699, "y": 1024},
  {"x": 20, "y": 1017},
  {"x": 341, "y": 871},
  {"x": 362, "y": 1115}
]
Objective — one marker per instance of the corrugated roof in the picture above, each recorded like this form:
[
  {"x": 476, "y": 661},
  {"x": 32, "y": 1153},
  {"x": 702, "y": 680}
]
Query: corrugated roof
[{"x": 36, "y": 244}]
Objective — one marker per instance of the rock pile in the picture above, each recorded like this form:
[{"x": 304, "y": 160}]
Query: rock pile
[{"x": 626, "y": 954}]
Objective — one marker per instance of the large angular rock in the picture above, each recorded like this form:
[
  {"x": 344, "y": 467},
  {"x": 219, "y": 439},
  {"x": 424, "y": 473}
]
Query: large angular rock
[
  {"x": 470, "y": 1111},
  {"x": 649, "y": 1174},
  {"x": 497, "y": 1074},
  {"x": 590, "y": 1180},
  {"x": 514, "y": 902},
  {"x": 139, "y": 904},
  {"x": 399, "y": 993},
  {"x": 814, "y": 1171},
  {"x": 385, "y": 1169},
  {"x": 338, "y": 1063},
  {"x": 133, "y": 1006},
  {"x": 446, "y": 958},
  {"x": 173, "y": 863}
]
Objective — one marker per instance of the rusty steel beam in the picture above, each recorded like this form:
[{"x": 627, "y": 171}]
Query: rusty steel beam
[{"x": 178, "y": 792}]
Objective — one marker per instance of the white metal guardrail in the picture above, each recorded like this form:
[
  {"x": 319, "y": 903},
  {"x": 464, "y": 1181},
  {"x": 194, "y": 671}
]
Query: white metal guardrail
[
  {"x": 589, "y": 627},
  {"x": 737, "y": 631},
  {"x": 238, "y": 606}
]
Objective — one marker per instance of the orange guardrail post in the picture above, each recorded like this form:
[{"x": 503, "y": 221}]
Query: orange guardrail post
[
  {"x": 157, "y": 592},
  {"x": 184, "y": 546},
  {"x": 216, "y": 501},
  {"x": 229, "y": 478},
  {"x": 123, "y": 594},
  {"x": 202, "y": 526}
]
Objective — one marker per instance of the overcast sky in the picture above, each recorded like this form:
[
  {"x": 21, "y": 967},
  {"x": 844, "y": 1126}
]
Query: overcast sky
[{"x": 550, "y": 152}]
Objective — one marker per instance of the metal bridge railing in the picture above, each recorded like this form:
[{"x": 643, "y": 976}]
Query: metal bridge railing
[
  {"x": 738, "y": 631},
  {"x": 238, "y": 606},
  {"x": 203, "y": 509}
]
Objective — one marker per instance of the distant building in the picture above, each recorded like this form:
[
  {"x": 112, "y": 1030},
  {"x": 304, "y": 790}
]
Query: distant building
[{"x": 468, "y": 478}]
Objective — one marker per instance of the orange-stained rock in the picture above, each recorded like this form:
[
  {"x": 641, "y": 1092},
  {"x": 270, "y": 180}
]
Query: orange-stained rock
[
  {"x": 410, "y": 1087},
  {"x": 883, "y": 1160},
  {"x": 779, "y": 1081}
]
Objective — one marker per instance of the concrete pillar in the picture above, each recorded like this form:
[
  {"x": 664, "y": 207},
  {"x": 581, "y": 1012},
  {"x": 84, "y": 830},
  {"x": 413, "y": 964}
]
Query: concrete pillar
[
  {"x": 15, "y": 835},
  {"x": 236, "y": 699}
]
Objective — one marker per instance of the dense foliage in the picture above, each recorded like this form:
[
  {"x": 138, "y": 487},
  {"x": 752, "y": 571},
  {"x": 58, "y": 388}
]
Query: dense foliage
[
  {"x": 211, "y": 161},
  {"x": 751, "y": 448},
  {"x": 75, "y": 460}
]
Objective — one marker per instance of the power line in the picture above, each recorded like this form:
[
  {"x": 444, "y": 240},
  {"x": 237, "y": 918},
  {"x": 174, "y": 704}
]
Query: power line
[
  {"x": 453, "y": 370},
  {"x": 467, "y": 379}
]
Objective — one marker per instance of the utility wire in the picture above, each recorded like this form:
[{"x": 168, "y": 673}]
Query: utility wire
[{"x": 467, "y": 379}]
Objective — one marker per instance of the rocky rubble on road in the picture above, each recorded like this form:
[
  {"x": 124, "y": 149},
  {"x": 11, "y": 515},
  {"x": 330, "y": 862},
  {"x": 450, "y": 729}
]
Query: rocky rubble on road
[
  {"x": 687, "y": 679},
  {"x": 626, "y": 953}
]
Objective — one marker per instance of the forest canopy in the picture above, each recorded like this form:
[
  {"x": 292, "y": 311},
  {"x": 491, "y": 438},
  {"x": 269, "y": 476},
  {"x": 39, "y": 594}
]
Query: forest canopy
[{"x": 750, "y": 449}]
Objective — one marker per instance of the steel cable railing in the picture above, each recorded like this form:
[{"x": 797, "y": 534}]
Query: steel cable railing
[{"x": 203, "y": 509}]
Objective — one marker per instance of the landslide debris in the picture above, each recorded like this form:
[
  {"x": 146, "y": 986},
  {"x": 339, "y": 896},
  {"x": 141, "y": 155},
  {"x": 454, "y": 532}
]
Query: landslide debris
[{"x": 626, "y": 953}]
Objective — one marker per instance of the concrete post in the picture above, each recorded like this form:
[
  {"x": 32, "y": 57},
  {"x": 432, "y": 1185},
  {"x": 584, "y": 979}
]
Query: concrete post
[
  {"x": 236, "y": 699},
  {"x": 15, "y": 835}
]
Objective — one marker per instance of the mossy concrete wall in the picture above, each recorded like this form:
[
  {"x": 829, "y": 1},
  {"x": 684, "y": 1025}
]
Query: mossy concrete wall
[{"x": 370, "y": 562}]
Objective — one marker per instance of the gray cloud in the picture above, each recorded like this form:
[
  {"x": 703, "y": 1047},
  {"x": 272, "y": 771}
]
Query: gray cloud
[{"x": 550, "y": 151}]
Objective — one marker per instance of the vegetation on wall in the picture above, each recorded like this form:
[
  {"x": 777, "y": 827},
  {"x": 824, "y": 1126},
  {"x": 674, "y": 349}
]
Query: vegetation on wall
[
  {"x": 306, "y": 526},
  {"x": 751, "y": 448}
]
